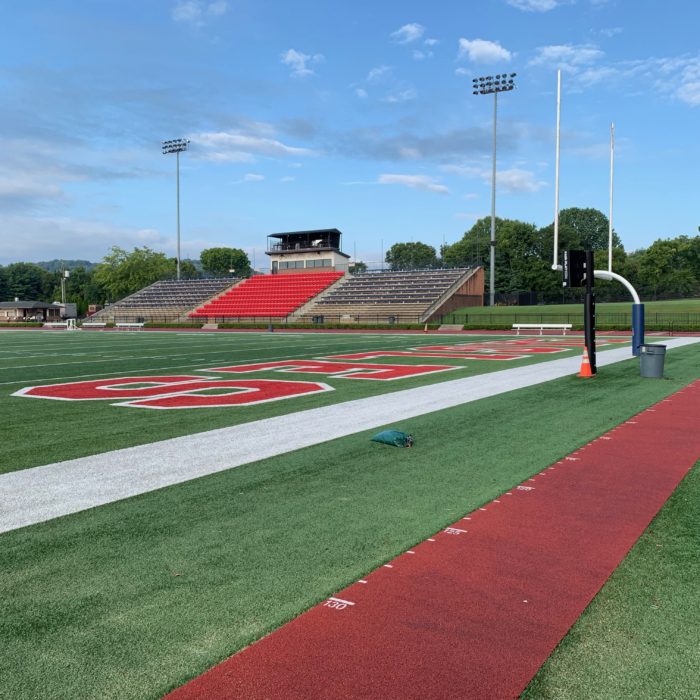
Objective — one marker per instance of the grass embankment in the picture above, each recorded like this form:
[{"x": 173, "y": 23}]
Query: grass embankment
[{"x": 131, "y": 599}]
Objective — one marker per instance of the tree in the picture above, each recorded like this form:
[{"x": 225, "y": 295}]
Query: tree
[
  {"x": 358, "y": 266},
  {"x": 666, "y": 267},
  {"x": 473, "y": 247},
  {"x": 411, "y": 256},
  {"x": 521, "y": 264},
  {"x": 121, "y": 273},
  {"x": 81, "y": 290},
  {"x": 29, "y": 282},
  {"x": 521, "y": 254},
  {"x": 590, "y": 228},
  {"x": 218, "y": 262},
  {"x": 188, "y": 270},
  {"x": 4, "y": 285}
]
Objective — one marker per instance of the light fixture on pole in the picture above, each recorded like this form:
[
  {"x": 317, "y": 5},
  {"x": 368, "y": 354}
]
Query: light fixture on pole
[
  {"x": 65, "y": 274},
  {"x": 487, "y": 85},
  {"x": 176, "y": 146}
]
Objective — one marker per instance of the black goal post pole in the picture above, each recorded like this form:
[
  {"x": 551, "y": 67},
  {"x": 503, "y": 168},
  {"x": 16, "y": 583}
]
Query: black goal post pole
[{"x": 589, "y": 313}]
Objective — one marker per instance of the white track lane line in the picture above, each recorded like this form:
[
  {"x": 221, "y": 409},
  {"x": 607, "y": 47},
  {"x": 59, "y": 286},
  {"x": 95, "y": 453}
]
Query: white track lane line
[{"x": 50, "y": 491}]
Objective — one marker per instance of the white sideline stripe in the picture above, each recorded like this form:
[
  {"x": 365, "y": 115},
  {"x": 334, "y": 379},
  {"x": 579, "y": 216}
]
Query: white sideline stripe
[{"x": 41, "y": 493}]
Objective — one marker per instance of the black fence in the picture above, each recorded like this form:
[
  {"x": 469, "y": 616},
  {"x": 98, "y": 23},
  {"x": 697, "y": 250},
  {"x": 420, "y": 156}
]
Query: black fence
[
  {"x": 541, "y": 315},
  {"x": 502, "y": 317}
]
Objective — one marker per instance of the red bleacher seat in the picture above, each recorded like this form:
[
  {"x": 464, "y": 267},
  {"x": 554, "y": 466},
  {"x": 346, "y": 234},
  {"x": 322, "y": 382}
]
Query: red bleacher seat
[{"x": 268, "y": 295}]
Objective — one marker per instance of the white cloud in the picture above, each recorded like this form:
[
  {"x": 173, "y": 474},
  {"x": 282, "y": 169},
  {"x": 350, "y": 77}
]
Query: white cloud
[
  {"x": 231, "y": 146},
  {"x": 216, "y": 9},
  {"x": 482, "y": 51},
  {"x": 361, "y": 93},
  {"x": 378, "y": 74},
  {"x": 687, "y": 87},
  {"x": 417, "y": 182},
  {"x": 287, "y": 178},
  {"x": 431, "y": 42},
  {"x": 689, "y": 93},
  {"x": 596, "y": 74},
  {"x": 195, "y": 12},
  {"x": 611, "y": 32},
  {"x": 25, "y": 187},
  {"x": 187, "y": 11},
  {"x": 534, "y": 5},
  {"x": 419, "y": 55},
  {"x": 567, "y": 56},
  {"x": 409, "y": 153},
  {"x": 517, "y": 180},
  {"x": 507, "y": 180},
  {"x": 463, "y": 170},
  {"x": 44, "y": 238},
  {"x": 253, "y": 177},
  {"x": 408, "y": 33},
  {"x": 401, "y": 95},
  {"x": 300, "y": 62},
  {"x": 675, "y": 76}
]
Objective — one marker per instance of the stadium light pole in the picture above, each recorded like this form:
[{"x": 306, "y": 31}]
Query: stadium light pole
[
  {"x": 492, "y": 85},
  {"x": 176, "y": 146}
]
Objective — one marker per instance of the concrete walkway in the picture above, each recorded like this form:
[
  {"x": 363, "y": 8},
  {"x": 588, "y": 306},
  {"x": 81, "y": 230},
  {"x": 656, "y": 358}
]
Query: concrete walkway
[{"x": 53, "y": 490}]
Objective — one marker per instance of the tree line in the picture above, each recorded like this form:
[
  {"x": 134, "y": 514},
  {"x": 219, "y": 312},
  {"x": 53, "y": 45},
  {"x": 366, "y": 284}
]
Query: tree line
[
  {"x": 523, "y": 261},
  {"x": 667, "y": 268},
  {"x": 119, "y": 274}
]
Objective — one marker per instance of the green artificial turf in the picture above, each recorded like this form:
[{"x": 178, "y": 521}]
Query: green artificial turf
[
  {"x": 640, "y": 637},
  {"x": 131, "y": 599},
  {"x": 71, "y": 429}
]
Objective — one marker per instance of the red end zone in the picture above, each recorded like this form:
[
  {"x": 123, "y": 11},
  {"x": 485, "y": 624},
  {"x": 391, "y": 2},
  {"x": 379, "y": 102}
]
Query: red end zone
[
  {"x": 176, "y": 392},
  {"x": 341, "y": 370}
]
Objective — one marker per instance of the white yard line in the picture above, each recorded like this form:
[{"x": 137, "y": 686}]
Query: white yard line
[{"x": 50, "y": 491}]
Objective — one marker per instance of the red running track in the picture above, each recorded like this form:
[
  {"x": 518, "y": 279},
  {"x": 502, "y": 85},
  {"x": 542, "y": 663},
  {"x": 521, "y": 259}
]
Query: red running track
[{"x": 474, "y": 611}]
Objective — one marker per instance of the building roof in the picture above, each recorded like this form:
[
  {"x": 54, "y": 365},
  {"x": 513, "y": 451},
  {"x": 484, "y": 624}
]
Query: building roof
[
  {"x": 305, "y": 233},
  {"x": 27, "y": 305}
]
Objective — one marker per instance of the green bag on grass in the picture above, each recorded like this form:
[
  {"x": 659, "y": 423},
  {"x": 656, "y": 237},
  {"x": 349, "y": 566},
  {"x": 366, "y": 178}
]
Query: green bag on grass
[{"x": 394, "y": 437}]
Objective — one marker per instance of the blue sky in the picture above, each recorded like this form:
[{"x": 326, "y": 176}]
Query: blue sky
[{"x": 356, "y": 115}]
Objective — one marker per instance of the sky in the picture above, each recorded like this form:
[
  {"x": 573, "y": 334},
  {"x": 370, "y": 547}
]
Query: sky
[{"x": 351, "y": 115}]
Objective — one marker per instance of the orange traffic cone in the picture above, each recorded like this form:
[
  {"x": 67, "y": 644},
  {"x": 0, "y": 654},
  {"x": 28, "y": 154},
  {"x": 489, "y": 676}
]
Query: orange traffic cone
[{"x": 585, "y": 370}]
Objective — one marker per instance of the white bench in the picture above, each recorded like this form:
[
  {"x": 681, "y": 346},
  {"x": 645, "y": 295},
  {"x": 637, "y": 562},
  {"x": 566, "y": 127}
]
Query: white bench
[
  {"x": 55, "y": 324},
  {"x": 93, "y": 324},
  {"x": 563, "y": 327},
  {"x": 129, "y": 326}
]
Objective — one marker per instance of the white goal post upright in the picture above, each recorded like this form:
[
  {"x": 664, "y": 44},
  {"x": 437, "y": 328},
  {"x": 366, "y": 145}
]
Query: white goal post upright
[
  {"x": 637, "y": 306},
  {"x": 555, "y": 259}
]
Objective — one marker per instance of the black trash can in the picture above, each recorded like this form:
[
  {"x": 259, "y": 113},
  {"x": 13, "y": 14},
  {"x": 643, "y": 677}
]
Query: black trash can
[{"x": 652, "y": 360}]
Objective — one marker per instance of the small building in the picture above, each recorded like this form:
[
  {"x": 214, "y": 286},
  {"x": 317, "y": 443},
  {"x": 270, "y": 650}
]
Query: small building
[
  {"x": 306, "y": 251},
  {"x": 13, "y": 311}
]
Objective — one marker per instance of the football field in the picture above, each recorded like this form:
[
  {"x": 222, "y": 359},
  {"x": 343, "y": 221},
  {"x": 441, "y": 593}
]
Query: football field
[{"x": 134, "y": 597}]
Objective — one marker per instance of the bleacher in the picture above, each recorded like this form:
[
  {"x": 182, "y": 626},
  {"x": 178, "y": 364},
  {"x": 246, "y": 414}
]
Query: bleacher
[
  {"x": 383, "y": 296},
  {"x": 267, "y": 296},
  {"x": 164, "y": 300}
]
